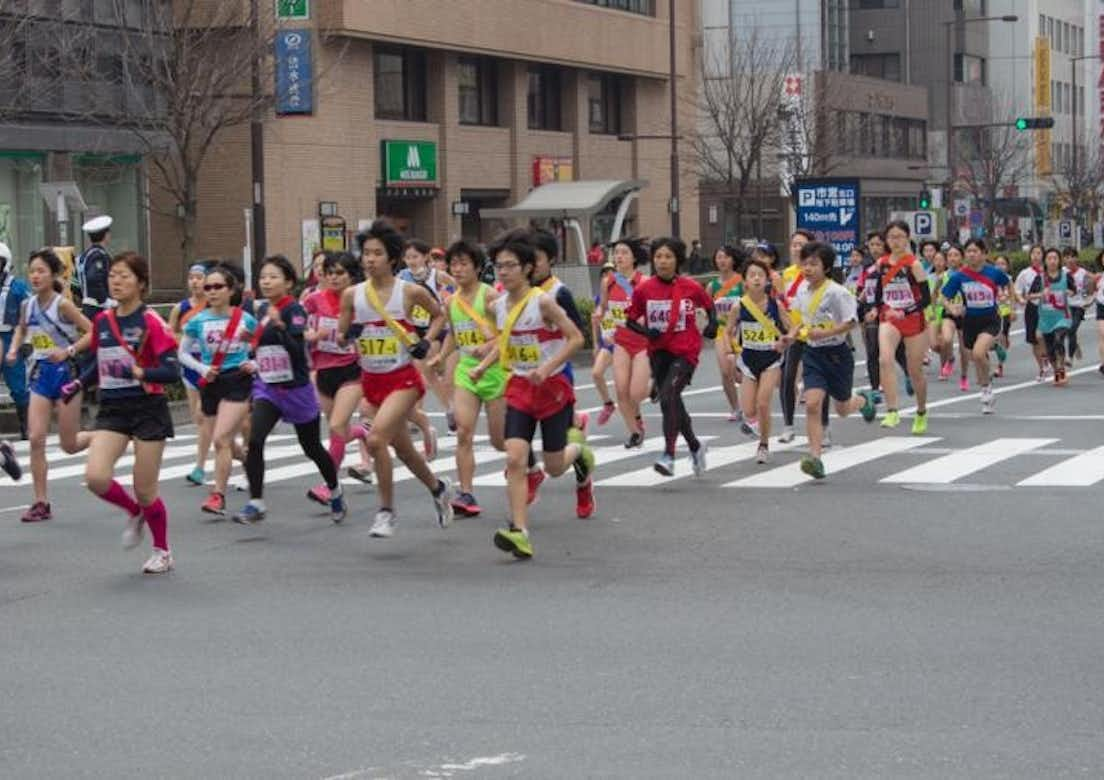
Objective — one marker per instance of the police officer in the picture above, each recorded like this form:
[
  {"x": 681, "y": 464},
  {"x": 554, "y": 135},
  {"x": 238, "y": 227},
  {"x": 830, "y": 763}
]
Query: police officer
[
  {"x": 92, "y": 267},
  {"x": 13, "y": 292}
]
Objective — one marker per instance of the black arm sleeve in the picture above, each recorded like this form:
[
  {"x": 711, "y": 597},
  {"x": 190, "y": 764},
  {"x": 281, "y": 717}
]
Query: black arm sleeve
[
  {"x": 90, "y": 373},
  {"x": 567, "y": 303},
  {"x": 925, "y": 295},
  {"x": 636, "y": 327},
  {"x": 166, "y": 371}
]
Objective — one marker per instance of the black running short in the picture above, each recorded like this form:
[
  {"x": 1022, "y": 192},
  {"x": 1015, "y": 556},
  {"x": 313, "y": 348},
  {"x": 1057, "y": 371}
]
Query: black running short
[
  {"x": 975, "y": 326},
  {"x": 1031, "y": 323},
  {"x": 235, "y": 385},
  {"x": 145, "y": 418},
  {"x": 520, "y": 425},
  {"x": 330, "y": 380}
]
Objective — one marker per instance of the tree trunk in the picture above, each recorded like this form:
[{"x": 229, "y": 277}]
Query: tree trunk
[{"x": 189, "y": 216}]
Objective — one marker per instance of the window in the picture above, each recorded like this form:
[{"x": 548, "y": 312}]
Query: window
[
  {"x": 917, "y": 139},
  {"x": 1042, "y": 24},
  {"x": 969, "y": 69},
  {"x": 645, "y": 7},
  {"x": 477, "y": 80},
  {"x": 400, "y": 84},
  {"x": 604, "y": 101},
  {"x": 874, "y": 5},
  {"x": 879, "y": 66},
  {"x": 544, "y": 98}
]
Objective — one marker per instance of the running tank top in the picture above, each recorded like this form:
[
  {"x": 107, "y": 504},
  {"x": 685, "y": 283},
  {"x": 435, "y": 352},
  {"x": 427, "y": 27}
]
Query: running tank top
[
  {"x": 468, "y": 333},
  {"x": 46, "y": 329},
  {"x": 323, "y": 309},
  {"x": 753, "y": 335},
  {"x": 418, "y": 315},
  {"x": 724, "y": 303},
  {"x": 378, "y": 346},
  {"x": 531, "y": 341}
]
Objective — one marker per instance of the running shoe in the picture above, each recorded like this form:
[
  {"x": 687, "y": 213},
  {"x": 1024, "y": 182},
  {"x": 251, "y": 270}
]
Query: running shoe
[
  {"x": 1042, "y": 375},
  {"x": 1002, "y": 353},
  {"x": 988, "y": 402},
  {"x": 132, "y": 534},
  {"x": 37, "y": 513},
  {"x": 870, "y": 407},
  {"x": 249, "y": 514},
  {"x": 920, "y": 424},
  {"x": 697, "y": 461},
  {"x": 429, "y": 444},
  {"x": 909, "y": 389},
  {"x": 945, "y": 371},
  {"x": 161, "y": 562},
  {"x": 787, "y": 435},
  {"x": 607, "y": 412},
  {"x": 9, "y": 463},
  {"x": 665, "y": 465},
  {"x": 450, "y": 420},
  {"x": 750, "y": 427},
  {"x": 635, "y": 440},
  {"x": 465, "y": 505},
  {"x": 360, "y": 474},
  {"x": 319, "y": 494},
  {"x": 442, "y": 502},
  {"x": 384, "y": 525},
  {"x": 735, "y": 416},
  {"x": 877, "y": 396},
  {"x": 1061, "y": 379},
  {"x": 584, "y": 499},
  {"x": 338, "y": 508},
  {"x": 582, "y": 422},
  {"x": 998, "y": 372},
  {"x": 196, "y": 476},
  {"x": 892, "y": 419},
  {"x": 215, "y": 505},
  {"x": 813, "y": 467},
  {"x": 762, "y": 455},
  {"x": 964, "y": 384},
  {"x": 533, "y": 480},
  {"x": 514, "y": 541}
]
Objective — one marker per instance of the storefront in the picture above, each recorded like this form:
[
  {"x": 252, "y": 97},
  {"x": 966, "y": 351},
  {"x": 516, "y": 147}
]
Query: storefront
[{"x": 409, "y": 190}]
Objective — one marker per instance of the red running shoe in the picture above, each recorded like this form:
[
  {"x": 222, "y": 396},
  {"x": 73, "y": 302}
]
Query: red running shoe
[
  {"x": 535, "y": 478},
  {"x": 466, "y": 505},
  {"x": 584, "y": 500},
  {"x": 38, "y": 512},
  {"x": 215, "y": 505}
]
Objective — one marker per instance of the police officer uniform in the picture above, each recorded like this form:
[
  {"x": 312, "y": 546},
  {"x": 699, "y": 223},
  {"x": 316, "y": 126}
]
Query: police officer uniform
[
  {"x": 92, "y": 268},
  {"x": 13, "y": 292}
]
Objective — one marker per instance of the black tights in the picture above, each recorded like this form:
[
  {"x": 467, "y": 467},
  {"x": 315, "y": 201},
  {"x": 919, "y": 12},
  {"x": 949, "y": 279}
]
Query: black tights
[
  {"x": 1056, "y": 347},
  {"x": 672, "y": 375},
  {"x": 1077, "y": 314},
  {"x": 264, "y": 419},
  {"x": 790, "y": 363}
]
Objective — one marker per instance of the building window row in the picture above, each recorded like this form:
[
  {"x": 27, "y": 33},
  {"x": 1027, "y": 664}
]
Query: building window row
[
  {"x": 879, "y": 66},
  {"x": 645, "y": 7},
  {"x": 969, "y": 69},
  {"x": 860, "y": 134},
  {"x": 1063, "y": 36},
  {"x": 1064, "y": 100},
  {"x": 874, "y": 5}
]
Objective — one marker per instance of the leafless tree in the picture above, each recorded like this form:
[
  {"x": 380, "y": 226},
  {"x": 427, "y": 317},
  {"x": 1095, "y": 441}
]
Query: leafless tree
[
  {"x": 1079, "y": 184},
  {"x": 991, "y": 158}
]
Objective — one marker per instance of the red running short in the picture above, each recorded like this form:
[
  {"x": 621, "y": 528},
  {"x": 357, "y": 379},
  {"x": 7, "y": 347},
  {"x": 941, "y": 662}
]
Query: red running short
[
  {"x": 376, "y": 387},
  {"x": 910, "y": 325},
  {"x": 539, "y": 401}
]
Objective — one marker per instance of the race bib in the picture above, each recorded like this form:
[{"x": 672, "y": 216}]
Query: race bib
[
  {"x": 212, "y": 337},
  {"x": 659, "y": 313},
  {"x": 420, "y": 317},
  {"x": 379, "y": 350},
  {"x": 274, "y": 364},
  {"x": 327, "y": 337},
  {"x": 978, "y": 295},
  {"x": 524, "y": 353},
  {"x": 898, "y": 295},
  {"x": 114, "y": 364},
  {"x": 723, "y": 306},
  {"x": 42, "y": 343},
  {"x": 754, "y": 336},
  {"x": 468, "y": 335}
]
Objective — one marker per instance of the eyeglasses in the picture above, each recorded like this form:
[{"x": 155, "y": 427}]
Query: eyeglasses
[
  {"x": 214, "y": 286},
  {"x": 507, "y": 264}
]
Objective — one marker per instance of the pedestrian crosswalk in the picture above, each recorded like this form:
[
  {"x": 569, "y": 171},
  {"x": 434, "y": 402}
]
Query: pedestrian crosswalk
[{"x": 882, "y": 462}]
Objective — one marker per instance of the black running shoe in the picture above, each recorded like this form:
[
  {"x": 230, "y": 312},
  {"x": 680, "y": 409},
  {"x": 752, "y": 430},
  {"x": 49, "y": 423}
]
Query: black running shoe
[{"x": 9, "y": 462}]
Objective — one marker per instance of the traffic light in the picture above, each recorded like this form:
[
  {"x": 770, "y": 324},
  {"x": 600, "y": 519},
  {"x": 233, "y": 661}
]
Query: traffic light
[
  {"x": 1035, "y": 123},
  {"x": 925, "y": 200}
]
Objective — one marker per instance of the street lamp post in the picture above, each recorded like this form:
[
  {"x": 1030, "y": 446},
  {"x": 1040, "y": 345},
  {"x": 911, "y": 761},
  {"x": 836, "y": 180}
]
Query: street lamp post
[{"x": 674, "y": 205}]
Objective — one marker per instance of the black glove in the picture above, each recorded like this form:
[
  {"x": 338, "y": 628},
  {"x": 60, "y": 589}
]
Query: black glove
[
  {"x": 710, "y": 330},
  {"x": 420, "y": 350},
  {"x": 654, "y": 333}
]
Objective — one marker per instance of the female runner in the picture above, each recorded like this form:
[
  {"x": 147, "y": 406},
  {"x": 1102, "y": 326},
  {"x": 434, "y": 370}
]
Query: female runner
[
  {"x": 178, "y": 318},
  {"x": 602, "y": 330},
  {"x": 725, "y": 290}
]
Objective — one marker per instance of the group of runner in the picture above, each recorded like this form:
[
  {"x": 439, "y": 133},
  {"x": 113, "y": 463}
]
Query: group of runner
[{"x": 372, "y": 333}]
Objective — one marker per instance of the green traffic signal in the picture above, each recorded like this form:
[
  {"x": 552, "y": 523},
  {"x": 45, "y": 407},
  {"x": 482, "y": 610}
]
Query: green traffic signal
[
  {"x": 925, "y": 200},
  {"x": 1021, "y": 124},
  {"x": 1034, "y": 122}
]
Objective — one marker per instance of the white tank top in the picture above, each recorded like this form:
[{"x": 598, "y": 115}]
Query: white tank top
[
  {"x": 379, "y": 349},
  {"x": 45, "y": 327},
  {"x": 532, "y": 342}
]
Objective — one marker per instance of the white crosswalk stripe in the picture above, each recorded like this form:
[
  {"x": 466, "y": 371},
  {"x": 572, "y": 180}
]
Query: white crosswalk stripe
[
  {"x": 835, "y": 461},
  {"x": 1079, "y": 471},
  {"x": 714, "y": 459},
  {"x": 949, "y": 468}
]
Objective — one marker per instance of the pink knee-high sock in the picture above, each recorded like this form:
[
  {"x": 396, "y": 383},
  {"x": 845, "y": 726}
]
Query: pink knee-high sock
[
  {"x": 358, "y": 431},
  {"x": 158, "y": 521},
  {"x": 337, "y": 449},
  {"x": 116, "y": 494}
]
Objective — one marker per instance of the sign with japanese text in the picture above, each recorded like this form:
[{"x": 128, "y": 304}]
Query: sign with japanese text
[{"x": 294, "y": 72}]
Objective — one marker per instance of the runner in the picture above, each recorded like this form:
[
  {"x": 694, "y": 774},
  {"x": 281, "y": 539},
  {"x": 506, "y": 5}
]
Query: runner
[
  {"x": 787, "y": 287},
  {"x": 953, "y": 323},
  {"x": 1006, "y": 313},
  {"x": 472, "y": 332},
  {"x": 222, "y": 335},
  {"x": 418, "y": 271},
  {"x": 382, "y": 305},
  {"x": 1055, "y": 320},
  {"x": 1078, "y": 300},
  {"x": 536, "y": 339},
  {"x": 827, "y": 313},
  {"x": 902, "y": 295},
  {"x": 52, "y": 325},
  {"x": 632, "y": 374},
  {"x": 979, "y": 285},
  {"x": 135, "y": 355},
  {"x": 725, "y": 290},
  {"x": 317, "y": 277},
  {"x": 337, "y": 374},
  {"x": 928, "y": 250},
  {"x": 935, "y": 314},
  {"x": 1098, "y": 298},
  {"x": 1029, "y": 281},
  {"x": 664, "y": 309},
  {"x": 178, "y": 318},
  {"x": 602, "y": 329},
  {"x": 757, "y": 325},
  {"x": 282, "y": 389},
  {"x": 14, "y": 293}
]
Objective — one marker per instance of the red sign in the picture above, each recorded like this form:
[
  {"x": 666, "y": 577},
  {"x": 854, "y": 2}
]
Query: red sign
[{"x": 550, "y": 169}]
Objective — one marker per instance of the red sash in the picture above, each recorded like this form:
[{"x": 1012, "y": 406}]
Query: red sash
[
  {"x": 225, "y": 342},
  {"x": 980, "y": 278}
]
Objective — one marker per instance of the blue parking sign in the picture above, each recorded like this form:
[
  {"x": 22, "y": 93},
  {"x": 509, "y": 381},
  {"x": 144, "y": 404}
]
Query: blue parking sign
[{"x": 829, "y": 209}]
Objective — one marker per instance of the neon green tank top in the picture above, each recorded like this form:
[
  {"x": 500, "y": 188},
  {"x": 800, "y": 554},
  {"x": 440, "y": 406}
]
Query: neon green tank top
[{"x": 470, "y": 334}]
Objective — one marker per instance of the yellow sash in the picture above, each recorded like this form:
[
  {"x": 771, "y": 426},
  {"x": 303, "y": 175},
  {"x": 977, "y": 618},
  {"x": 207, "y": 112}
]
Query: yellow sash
[
  {"x": 810, "y": 310},
  {"x": 405, "y": 336},
  {"x": 511, "y": 320},
  {"x": 548, "y": 283},
  {"x": 489, "y": 330},
  {"x": 761, "y": 318}
]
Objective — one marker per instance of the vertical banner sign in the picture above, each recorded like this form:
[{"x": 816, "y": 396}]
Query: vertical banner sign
[
  {"x": 1042, "y": 105},
  {"x": 294, "y": 72},
  {"x": 829, "y": 209}
]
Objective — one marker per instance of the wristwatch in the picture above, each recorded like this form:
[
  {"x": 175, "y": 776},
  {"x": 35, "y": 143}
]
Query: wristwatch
[{"x": 71, "y": 351}]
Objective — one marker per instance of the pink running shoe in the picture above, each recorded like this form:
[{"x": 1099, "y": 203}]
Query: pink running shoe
[
  {"x": 606, "y": 413},
  {"x": 964, "y": 384},
  {"x": 945, "y": 371}
]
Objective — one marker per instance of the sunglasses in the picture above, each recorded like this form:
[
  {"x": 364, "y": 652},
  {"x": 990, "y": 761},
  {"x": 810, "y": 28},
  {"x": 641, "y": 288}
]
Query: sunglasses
[{"x": 214, "y": 286}]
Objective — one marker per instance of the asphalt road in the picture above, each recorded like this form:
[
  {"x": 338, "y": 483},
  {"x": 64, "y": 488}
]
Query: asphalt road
[{"x": 924, "y": 612}]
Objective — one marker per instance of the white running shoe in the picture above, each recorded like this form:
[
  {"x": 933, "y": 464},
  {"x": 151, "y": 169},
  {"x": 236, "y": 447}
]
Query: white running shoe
[
  {"x": 697, "y": 460},
  {"x": 159, "y": 563},
  {"x": 384, "y": 525},
  {"x": 132, "y": 534},
  {"x": 788, "y": 435},
  {"x": 763, "y": 454},
  {"x": 442, "y": 502},
  {"x": 988, "y": 402}
]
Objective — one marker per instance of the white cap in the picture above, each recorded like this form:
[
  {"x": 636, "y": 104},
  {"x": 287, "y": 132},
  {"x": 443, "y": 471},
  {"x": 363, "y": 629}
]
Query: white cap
[
  {"x": 98, "y": 224},
  {"x": 5, "y": 253}
]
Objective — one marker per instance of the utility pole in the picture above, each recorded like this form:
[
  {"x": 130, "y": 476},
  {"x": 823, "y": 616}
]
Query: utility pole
[
  {"x": 256, "y": 138},
  {"x": 674, "y": 204}
]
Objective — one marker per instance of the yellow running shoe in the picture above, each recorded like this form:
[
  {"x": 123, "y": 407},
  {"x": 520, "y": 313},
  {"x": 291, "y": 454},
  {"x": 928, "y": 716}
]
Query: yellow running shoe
[
  {"x": 515, "y": 541},
  {"x": 920, "y": 424},
  {"x": 892, "y": 419}
]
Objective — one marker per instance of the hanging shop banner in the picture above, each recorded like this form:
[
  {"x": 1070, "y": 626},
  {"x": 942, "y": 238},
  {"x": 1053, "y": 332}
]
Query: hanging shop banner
[{"x": 294, "y": 72}]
